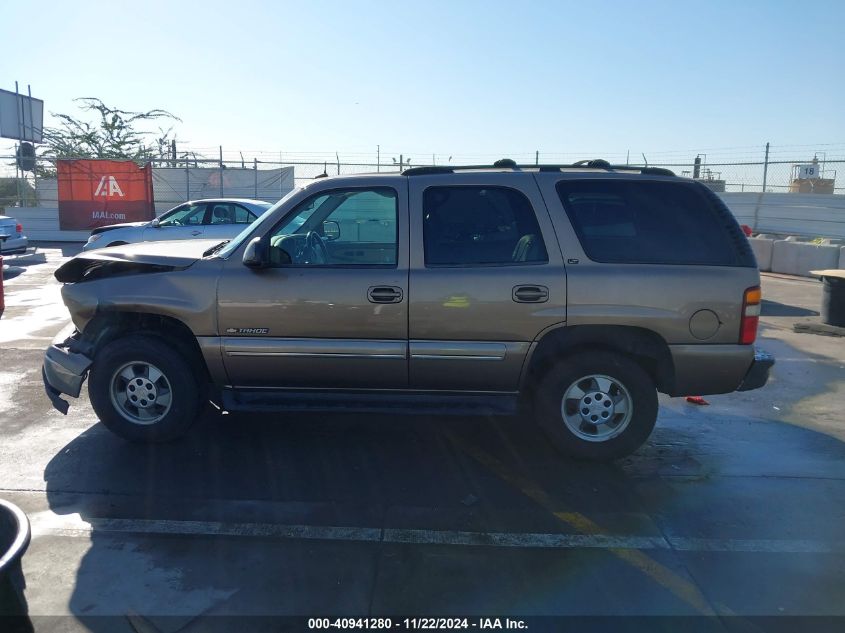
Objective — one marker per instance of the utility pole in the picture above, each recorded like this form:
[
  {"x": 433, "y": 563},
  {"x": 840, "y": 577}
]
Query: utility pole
[{"x": 766, "y": 168}]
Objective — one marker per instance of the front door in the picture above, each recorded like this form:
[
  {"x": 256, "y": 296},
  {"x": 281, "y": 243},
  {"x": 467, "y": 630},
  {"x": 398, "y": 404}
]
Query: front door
[
  {"x": 486, "y": 279},
  {"x": 332, "y": 311},
  {"x": 185, "y": 222}
]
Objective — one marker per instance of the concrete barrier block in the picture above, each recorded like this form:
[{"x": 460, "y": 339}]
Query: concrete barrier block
[
  {"x": 842, "y": 258},
  {"x": 797, "y": 258},
  {"x": 762, "y": 252}
]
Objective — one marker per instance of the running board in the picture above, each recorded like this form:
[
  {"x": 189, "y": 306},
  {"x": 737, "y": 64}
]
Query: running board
[{"x": 397, "y": 402}]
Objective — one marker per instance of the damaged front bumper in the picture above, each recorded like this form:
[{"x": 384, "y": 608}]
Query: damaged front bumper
[
  {"x": 758, "y": 373},
  {"x": 65, "y": 368}
]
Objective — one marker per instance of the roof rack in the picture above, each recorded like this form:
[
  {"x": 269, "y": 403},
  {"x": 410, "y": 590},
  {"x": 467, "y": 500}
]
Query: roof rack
[{"x": 507, "y": 163}]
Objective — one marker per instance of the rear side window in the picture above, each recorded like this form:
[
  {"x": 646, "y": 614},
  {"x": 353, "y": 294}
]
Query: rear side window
[
  {"x": 649, "y": 222},
  {"x": 476, "y": 226}
]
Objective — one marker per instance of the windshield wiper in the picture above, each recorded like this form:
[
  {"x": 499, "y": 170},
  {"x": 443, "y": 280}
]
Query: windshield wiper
[{"x": 215, "y": 248}]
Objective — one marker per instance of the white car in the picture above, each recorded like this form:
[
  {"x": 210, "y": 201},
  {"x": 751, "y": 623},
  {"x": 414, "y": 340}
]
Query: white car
[
  {"x": 216, "y": 218},
  {"x": 12, "y": 239}
]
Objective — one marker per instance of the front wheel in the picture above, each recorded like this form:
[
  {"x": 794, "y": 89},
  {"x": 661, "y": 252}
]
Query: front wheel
[
  {"x": 143, "y": 390},
  {"x": 596, "y": 405}
]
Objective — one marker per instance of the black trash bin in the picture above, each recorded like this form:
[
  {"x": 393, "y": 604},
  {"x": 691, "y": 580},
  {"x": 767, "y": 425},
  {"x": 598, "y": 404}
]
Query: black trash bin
[
  {"x": 833, "y": 300},
  {"x": 14, "y": 539}
]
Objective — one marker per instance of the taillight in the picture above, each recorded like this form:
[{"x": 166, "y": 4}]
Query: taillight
[
  {"x": 18, "y": 228},
  {"x": 750, "y": 315}
]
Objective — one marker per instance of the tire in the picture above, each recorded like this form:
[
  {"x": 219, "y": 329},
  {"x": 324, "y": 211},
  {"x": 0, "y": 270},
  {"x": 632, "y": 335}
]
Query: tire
[
  {"x": 605, "y": 387},
  {"x": 141, "y": 358}
]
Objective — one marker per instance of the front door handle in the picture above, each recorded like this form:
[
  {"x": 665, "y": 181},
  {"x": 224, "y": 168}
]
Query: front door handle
[
  {"x": 530, "y": 294},
  {"x": 195, "y": 233},
  {"x": 384, "y": 294}
]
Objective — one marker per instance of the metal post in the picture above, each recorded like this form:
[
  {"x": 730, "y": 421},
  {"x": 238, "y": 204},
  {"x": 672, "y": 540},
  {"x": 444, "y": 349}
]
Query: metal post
[
  {"x": 378, "y": 157},
  {"x": 400, "y": 163},
  {"x": 187, "y": 179},
  {"x": 17, "y": 173},
  {"x": 337, "y": 156},
  {"x": 35, "y": 183},
  {"x": 20, "y": 115},
  {"x": 255, "y": 169},
  {"x": 766, "y": 168},
  {"x": 537, "y": 157},
  {"x": 221, "y": 171},
  {"x": 35, "y": 158},
  {"x": 31, "y": 120}
]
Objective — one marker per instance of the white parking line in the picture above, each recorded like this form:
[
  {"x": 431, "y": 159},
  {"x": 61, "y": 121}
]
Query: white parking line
[{"x": 74, "y": 526}]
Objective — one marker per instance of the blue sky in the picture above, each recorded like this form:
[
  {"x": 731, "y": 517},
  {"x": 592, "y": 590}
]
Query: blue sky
[{"x": 464, "y": 78}]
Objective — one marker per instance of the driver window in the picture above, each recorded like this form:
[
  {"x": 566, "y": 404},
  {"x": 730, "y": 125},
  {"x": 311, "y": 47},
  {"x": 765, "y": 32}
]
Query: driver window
[
  {"x": 344, "y": 227},
  {"x": 187, "y": 215}
]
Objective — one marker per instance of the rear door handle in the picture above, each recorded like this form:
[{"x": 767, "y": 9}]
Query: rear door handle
[
  {"x": 384, "y": 294},
  {"x": 530, "y": 294},
  {"x": 195, "y": 232}
]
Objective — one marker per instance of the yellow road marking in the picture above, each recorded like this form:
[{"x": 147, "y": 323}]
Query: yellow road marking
[{"x": 679, "y": 586}]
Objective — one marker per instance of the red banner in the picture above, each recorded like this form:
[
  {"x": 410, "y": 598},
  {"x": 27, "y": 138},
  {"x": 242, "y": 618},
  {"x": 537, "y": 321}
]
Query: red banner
[{"x": 98, "y": 192}]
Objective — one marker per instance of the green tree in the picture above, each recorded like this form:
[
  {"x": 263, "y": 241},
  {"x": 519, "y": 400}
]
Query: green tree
[
  {"x": 10, "y": 195},
  {"x": 113, "y": 133}
]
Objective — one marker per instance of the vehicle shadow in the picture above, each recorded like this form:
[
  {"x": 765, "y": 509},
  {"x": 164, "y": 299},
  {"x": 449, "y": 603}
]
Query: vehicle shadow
[
  {"x": 470, "y": 474},
  {"x": 68, "y": 249},
  {"x": 777, "y": 309}
]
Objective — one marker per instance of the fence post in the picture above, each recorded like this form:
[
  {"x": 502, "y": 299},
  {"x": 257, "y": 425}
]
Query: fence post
[
  {"x": 187, "y": 179},
  {"x": 221, "y": 171},
  {"x": 766, "y": 168},
  {"x": 255, "y": 169},
  {"x": 537, "y": 157}
]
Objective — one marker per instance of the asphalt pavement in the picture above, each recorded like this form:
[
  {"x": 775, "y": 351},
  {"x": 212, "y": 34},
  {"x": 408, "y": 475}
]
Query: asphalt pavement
[{"x": 733, "y": 509}]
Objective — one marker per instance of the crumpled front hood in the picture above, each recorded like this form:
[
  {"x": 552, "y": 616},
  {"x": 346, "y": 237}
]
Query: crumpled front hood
[{"x": 131, "y": 259}]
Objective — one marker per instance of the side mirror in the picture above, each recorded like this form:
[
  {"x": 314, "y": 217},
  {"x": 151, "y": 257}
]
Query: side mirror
[
  {"x": 331, "y": 230},
  {"x": 155, "y": 223},
  {"x": 256, "y": 254}
]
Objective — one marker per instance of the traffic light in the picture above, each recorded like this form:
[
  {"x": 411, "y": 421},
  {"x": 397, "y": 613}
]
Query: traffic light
[{"x": 26, "y": 157}]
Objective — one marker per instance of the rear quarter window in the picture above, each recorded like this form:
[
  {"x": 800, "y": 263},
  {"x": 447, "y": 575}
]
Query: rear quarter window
[{"x": 653, "y": 222}]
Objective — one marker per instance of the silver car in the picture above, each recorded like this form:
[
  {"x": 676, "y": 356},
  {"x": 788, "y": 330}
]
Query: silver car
[
  {"x": 216, "y": 218},
  {"x": 12, "y": 239}
]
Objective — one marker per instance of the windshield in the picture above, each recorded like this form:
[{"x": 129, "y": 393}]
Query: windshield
[{"x": 233, "y": 245}]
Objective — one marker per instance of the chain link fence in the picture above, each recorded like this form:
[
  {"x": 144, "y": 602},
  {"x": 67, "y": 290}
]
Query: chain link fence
[{"x": 743, "y": 170}]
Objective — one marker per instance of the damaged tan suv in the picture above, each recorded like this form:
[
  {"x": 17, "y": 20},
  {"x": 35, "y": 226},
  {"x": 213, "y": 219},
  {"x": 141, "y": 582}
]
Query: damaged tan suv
[{"x": 578, "y": 291}]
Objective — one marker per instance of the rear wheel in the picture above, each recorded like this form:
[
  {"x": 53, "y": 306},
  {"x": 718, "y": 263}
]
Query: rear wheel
[
  {"x": 144, "y": 390},
  {"x": 597, "y": 406}
]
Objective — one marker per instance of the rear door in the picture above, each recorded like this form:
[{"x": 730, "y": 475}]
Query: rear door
[
  {"x": 226, "y": 219},
  {"x": 486, "y": 279}
]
